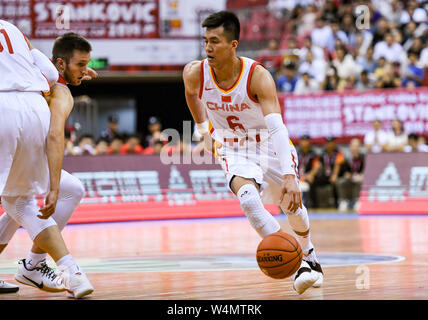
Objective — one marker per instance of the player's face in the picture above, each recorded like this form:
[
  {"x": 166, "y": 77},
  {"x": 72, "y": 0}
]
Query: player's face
[
  {"x": 217, "y": 47},
  {"x": 77, "y": 67}
]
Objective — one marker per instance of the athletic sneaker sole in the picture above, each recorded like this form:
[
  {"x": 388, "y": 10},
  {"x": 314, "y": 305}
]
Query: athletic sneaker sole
[
  {"x": 41, "y": 286},
  {"x": 70, "y": 294},
  {"x": 9, "y": 290}
]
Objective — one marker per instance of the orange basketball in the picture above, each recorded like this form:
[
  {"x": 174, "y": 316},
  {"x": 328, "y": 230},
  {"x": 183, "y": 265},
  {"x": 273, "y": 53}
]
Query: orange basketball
[{"x": 279, "y": 255}]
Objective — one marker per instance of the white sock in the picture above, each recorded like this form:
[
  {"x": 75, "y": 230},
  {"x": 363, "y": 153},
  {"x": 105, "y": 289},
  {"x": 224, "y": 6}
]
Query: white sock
[
  {"x": 299, "y": 222},
  {"x": 67, "y": 263},
  {"x": 34, "y": 258}
]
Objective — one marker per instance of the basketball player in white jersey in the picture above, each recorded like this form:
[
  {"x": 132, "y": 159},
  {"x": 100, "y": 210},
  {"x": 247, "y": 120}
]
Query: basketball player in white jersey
[
  {"x": 237, "y": 96},
  {"x": 31, "y": 166}
]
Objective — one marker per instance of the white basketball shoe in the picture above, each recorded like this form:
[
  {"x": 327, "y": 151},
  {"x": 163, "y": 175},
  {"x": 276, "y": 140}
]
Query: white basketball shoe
[
  {"x": 309, "y": 274},
  {"x": 39, "y": 276},
  {"x": 76, "y": 283},
  {"x": 7, "y": 287},
  {"x": 313, "y": 262}
]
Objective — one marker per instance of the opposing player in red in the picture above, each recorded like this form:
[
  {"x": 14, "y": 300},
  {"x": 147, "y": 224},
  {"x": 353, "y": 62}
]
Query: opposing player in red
[
  {"x": 18, "y": 197},
  {"x": 238, "y": 97}
]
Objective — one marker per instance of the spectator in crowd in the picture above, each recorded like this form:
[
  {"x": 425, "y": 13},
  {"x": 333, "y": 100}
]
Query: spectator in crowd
[
  {"x": 315, "y": 68},
  {"x": 157, "y": 147},
  {"x": 154, "y": 127},
  {"x": 396, "y": 138},
  {"x": 112, "y": 128},
  {"x": 322, "y": 33},
  {"x": 332, "y": 168},
  {"x": 85, "y": 146},
  {"x": 309, "y": 165},
  {"x": 349, "y": 185},
  {"x": 331, "y": 82},
  {"x": 286, "y": 82},
  {"x": 115, "y": 146},
  {"x": 132, "y": 145},
  {"x": 336, "y": 33},
  {"x": 390, "y": 77},
  {"x": 376, "y": 139},
  {"x": 270, "y": 58},
  {"x": 366, "y": 62},
  {"x": 422, "y": 140},
  {"x": 423, "y": 59},
  {"x": 346, "y": 67},
  {"x": 413, "y": 12},
  {"x": 413, "y": 75},
  {"x": 306, "y": 85},
  {"x": 68, "y": 147},
  {"x": 317, "y": 52},
  {"x": 389, "y": 49},
  {"x": 308, "y": 21},
  {"x": 414, "y": 144},
  {"x": 292, "y": 53},
  {"x": 381, "y": 28},
  {"x": 101, "y": 146},
  {"x": 364, "y": 82}
]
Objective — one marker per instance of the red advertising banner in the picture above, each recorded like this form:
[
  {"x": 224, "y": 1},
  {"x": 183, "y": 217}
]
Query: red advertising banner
[
  {"x": 395, "y": 183},
  {"x": 103, "y": 19},
  {"x": 135, "y": 187},
  {"x": 350, "y": 113}
]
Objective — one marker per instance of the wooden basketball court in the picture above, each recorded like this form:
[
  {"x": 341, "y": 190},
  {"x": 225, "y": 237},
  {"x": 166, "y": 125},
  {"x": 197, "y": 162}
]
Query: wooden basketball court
[{"x": 373, "y": 257}]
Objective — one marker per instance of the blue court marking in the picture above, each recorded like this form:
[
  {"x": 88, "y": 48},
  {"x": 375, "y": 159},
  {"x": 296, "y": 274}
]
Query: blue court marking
[{"x": 190, "y": 263}]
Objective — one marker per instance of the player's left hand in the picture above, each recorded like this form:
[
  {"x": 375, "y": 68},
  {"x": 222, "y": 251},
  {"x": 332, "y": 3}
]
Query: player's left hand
[
  {"x": 290, "y": 194},
  {"x": 50, "y": 204},
  {"x": 92, "y": 74}
]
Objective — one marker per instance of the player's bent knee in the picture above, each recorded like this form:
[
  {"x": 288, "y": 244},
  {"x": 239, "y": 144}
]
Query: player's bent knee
[
  {"x": 8, "y": 227},
  {"x": 71, "y": 187},
  {"x": 260, "y": 219},
  {"x": 24, "y": 211}
]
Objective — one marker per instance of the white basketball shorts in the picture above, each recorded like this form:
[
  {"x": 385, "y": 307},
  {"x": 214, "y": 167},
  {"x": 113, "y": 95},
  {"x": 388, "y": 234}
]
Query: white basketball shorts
[
  {"x": 24, "y": 124},
  {"x": 262, "y": 165}
]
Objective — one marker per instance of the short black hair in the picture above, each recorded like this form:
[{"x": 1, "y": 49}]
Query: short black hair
[
  {"x": 65, "y": 45},
  {"x": 413, "y": 136},
  {"x": 228, "y": 20}
]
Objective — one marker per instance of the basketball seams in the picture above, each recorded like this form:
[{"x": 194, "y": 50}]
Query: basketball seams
[
  {"x": 278, "y": 235},
  {"x": 272, "y": 249}
]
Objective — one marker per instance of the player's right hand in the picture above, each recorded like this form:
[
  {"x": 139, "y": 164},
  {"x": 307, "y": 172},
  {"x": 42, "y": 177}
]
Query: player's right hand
[
  {"x": 291, "y": 198},
  {"x": 212, "y": 145},
  {"x": 50, "y": 204}
]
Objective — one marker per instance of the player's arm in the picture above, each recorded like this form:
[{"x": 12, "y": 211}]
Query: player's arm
[
  {"x": 263, "y": 88},
  {"x": 43, "y": 63},
  {"x": 61, "y": 103},
  {"x": 192, "y": 82}
]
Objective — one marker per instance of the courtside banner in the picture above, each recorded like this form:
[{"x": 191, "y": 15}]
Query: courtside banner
[
  {"x": 350, "y": 113},
  {"x": 395, "y": 183},
  {"x": 140, "y": 187}
]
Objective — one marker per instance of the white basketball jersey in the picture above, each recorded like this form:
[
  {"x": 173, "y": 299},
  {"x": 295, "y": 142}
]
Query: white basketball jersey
[
  {"x": 17, "y": 69},
  {"x": 232, "y": 112}
]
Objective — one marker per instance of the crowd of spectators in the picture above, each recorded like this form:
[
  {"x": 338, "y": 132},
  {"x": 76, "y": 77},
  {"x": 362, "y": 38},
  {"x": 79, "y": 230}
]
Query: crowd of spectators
[
  {"x": 335, "y": 173},
  {"x": 323, "y": 48},
  {"x": 111, "y": 141}
]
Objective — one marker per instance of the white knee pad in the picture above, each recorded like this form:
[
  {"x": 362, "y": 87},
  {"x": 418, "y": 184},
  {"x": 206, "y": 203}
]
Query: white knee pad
[
  {"x": 24, "y": 211},
  {"x": 71, "y": 192},
  {"x": 259, "y": 218},
  {"x": 8, "y": 227}
]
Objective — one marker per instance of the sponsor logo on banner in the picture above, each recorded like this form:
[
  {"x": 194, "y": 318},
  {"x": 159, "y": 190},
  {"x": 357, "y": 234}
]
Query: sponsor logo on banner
[
  {"x": 350, "y": 114},
  {"x": 395, "y": 183}
]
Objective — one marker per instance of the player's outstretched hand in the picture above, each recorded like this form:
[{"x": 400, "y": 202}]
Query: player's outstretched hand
[
  {"x": 290, "y": 194},
  {"x": 92, "y": 74},
  {"x": 50, "y": 204},
  {"x": 212, "y": 145}
]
